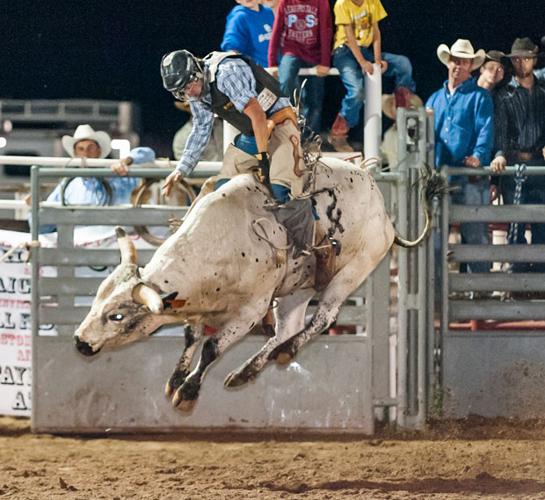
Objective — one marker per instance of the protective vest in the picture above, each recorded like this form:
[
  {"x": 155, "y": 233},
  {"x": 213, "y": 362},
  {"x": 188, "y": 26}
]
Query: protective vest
[{"x": 267, "y": 88}]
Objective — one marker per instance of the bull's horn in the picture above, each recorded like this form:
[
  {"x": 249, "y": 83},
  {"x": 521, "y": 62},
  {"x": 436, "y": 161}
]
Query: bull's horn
[
  {"x": 143, "y": 294},
  {"x": 126, "y": 246}
]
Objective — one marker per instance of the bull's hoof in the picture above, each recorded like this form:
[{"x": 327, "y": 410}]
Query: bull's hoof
[
  {"x": 186, "y": 395},
  {"x": 175, "y": 381},
  {"x": 283, "y": 358},
  {"x": 182, "y": 404},
  {"x": 235, "y": 379},
  {"x": 187, "y": 406}
]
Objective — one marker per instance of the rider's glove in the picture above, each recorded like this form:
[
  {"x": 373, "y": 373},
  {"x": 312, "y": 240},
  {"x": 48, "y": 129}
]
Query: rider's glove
[{"x": 264, "y": 168}]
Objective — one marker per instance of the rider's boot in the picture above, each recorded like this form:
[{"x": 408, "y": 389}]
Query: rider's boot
[{"x": 325, "y": 251}]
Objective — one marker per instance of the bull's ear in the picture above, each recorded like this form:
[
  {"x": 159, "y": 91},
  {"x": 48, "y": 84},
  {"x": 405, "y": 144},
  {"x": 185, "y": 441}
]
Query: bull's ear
[
  {"x": 147, "y": 296},
  {"x": 126, "y": 246}
]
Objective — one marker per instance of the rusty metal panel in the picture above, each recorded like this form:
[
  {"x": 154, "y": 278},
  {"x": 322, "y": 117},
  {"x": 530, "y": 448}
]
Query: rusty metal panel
[{"x": 327, "y": 387}]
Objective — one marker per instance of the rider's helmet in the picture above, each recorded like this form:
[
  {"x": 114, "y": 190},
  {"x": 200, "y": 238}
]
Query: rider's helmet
[{"x": 178, "y": 69}]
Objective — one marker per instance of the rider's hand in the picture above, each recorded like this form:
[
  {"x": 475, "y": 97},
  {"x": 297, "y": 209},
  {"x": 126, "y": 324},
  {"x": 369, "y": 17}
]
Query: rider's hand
[
  {"x": 174, "y": 177},
  {"x": 367, "y": 67},
  {"x": 122, "y": 168},
  {"x": 498, "y": 164},
  {"x": 264, "y": 164}
]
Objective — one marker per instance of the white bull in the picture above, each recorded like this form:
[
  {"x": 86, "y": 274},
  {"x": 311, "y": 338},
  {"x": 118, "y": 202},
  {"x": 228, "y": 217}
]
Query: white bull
[{"x": 224, "y": 266}]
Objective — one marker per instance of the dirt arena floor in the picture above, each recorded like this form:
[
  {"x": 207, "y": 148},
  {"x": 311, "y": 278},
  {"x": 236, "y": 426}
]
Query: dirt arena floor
[{"x": 470, "y": 459}]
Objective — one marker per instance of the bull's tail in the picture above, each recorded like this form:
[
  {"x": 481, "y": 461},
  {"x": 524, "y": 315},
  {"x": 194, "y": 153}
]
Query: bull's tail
[{"x": 433, "y": 185}]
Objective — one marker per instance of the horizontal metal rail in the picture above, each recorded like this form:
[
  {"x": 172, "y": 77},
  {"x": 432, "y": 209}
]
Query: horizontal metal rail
[
  {"x": 89, "y": 257},
  {"x": 481, "y": 282},
  {"x": 128, "y": 215},
  {"x": 497, "y": 213},
  {"x": 497, "y": 253},
  {"x": 496, "y": 310}
]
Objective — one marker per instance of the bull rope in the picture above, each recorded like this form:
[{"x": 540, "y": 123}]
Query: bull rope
[{"x": 258, "y": 224}]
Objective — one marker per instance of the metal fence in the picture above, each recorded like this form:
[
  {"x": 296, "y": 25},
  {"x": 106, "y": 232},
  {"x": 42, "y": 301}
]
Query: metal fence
[
  {"x": 498, "y": 367},
  {"x": 112, "y": 391}
]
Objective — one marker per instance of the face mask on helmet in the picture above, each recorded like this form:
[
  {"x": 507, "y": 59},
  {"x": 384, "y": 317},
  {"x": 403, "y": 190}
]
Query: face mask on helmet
[{"x": 180, "y": 93}]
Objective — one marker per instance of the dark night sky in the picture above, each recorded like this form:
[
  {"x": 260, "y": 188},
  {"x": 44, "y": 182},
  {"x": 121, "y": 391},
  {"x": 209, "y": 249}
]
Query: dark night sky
[{"x": 112, "y": 50}]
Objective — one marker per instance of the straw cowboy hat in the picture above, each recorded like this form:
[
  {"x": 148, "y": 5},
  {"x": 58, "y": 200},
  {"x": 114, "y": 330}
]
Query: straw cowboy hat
[
  {"x": 462, "y": 49},
  {"x": 87, "y": 132},
  {"x": 389, "y": 104},
  {"x": 523, "y": 47}
]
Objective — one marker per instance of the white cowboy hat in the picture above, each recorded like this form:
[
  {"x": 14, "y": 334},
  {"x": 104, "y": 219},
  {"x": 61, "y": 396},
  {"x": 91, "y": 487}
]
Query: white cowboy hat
[
  {"x": 462, "y": 49},
  {"x": 389, "y": 104},
  {"x": 87, "y": 132}
]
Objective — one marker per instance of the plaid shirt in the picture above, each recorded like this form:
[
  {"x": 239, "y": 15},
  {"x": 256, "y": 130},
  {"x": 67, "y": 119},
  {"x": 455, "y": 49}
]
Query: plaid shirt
[{"x": 234, "y": 79}]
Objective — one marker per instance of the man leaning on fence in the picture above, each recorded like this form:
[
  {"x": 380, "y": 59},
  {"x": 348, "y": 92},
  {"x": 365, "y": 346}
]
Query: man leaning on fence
[
  {"x": 463, "y": 114},
  {"x": 91, "y": 144},
  {"x": 520, "y": 139}
]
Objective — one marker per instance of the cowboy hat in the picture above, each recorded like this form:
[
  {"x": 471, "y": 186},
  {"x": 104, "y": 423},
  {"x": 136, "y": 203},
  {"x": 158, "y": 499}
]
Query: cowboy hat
[
  {"x": 389, "y": 104},
  {"x": 523, "y": 47},
  {"x": 496, "y": 56},
  {"x": 84, "y": 132},
  {"x": 464, "y": 50}
]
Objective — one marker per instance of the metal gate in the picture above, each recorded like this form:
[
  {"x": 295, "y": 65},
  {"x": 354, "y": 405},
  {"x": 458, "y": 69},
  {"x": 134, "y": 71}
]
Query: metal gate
[
  {"x": 497, "y": 368},
  {"x": 337, "y": 383}
]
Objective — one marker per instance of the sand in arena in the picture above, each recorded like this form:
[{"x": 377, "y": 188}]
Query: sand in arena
[{"x": 472, "y": 459}]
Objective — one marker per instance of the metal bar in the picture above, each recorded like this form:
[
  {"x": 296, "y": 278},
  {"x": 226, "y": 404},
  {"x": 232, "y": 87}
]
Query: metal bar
[
  {"x": 403, "y": 273},
  {"x": 160, "y": 167},
  {"x": 422, "y": 292},
  {"x": 497, "y": 253},
  {"x": 69, "y": 286},
  {"x": 483, "y": 172},
  {"x": 74, "y": 315},
  {"x": 35, "y": 290},
  {"x": 126, "y": 216},
  {"x": 444, "y": 282},
  {"x": 497, "y": 213},
  {"x": 529, "y": 282},
  {"x": 520, "y": 334},
  {"x": 88, "y": 257},
  {"x": 492, "y": 309}
]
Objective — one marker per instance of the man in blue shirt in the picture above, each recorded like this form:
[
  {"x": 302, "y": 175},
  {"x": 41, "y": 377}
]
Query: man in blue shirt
[
  {"x": 88, "y": 143},
  {"x": 463, "y": 114},
  {"x": 248, "y": 30}
]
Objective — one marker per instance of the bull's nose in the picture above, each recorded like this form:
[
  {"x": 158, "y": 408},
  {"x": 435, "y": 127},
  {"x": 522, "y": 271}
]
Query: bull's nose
[{"x": 84, "y": 348}]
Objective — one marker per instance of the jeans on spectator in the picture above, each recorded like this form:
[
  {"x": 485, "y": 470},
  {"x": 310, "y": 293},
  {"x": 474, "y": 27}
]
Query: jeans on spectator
[
  {"x": 533, "y": 192},
  {"x": 399, "y": 67},
  {"x": 313, "y": 93}
]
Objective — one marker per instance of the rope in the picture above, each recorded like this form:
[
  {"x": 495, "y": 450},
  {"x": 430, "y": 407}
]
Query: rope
[
  {"x": 258, "y": 223},
  {"x": 520, "y": 179},
  {"x": 25, "y": 244}
]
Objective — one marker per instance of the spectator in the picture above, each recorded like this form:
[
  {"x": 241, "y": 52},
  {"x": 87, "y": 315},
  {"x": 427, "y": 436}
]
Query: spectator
[
  {"x": 357, "y": 28},
  {"x": 388, "y": 147},
  {"x": 301, "y": 38},
  {"x": 463, "y": 127},
  {"x": 248, "y": 30},
  {"x": 492, "y": 72},
  {"x": 520, "y": 135},
  {"x": 88, "y": 143}
]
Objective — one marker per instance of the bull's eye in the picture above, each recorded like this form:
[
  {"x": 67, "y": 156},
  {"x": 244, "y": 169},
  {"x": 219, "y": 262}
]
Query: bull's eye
[{"x": 116, "y": 317}]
